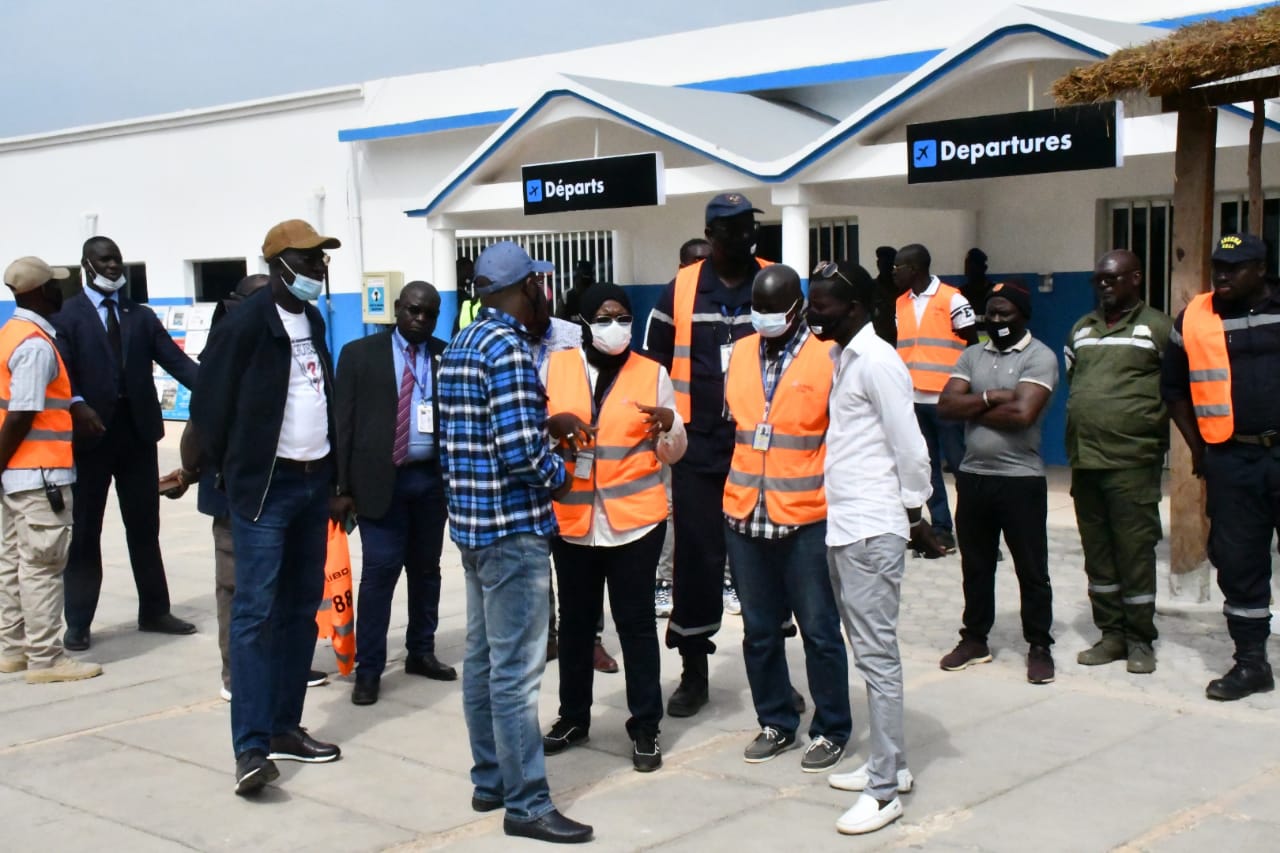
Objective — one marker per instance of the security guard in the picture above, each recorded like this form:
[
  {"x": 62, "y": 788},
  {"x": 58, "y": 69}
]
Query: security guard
[
  {"x": 1117, "y": 435},
  {"x": 1222, "y": 384}
]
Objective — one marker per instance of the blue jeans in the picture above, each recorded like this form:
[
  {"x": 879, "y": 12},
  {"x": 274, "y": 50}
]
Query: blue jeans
[
  {"x": 507, "y": 606},
  {"x": 279, "y": 583},
  {"x": 410, "y": 536},
  {"x": 771, "y": 574},
  {"x": 945, "y": 440}
]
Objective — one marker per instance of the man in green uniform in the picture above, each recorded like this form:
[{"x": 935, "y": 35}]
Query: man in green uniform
[{"x": 1117, "y": 435}]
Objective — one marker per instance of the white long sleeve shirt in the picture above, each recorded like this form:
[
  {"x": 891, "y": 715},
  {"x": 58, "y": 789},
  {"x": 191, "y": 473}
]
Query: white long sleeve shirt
[{"x": 877, "y": 462}]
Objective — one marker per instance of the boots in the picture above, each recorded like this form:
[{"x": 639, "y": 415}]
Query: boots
[
  {"x": 1251, "y": 674},
  {"x": 691, "y": 695}
]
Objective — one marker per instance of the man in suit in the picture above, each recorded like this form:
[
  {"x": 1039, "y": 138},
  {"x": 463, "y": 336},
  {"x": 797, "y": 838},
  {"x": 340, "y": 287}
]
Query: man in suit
[
  {"x": 388, "y": 427},
  {"x": 108, "y": 343}
]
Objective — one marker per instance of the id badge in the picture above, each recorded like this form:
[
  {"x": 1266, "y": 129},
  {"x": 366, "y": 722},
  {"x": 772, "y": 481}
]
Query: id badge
[
  {"x": 582, "y": 464},
  {"x": 426, "y": 418},
  {"x": 726, "y": 350},
  {"x": 764, "y": 434}
]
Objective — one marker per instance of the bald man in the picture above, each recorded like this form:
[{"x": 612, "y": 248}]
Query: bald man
[{"x": 1117, "y": 436}]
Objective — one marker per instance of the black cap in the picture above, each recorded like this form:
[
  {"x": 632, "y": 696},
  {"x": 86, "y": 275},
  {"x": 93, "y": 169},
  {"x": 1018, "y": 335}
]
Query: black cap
[
  {"x": 729, "y": 204},
  {"x": 1016, "y": 294},
  {"x": 1238, "y": 248}
]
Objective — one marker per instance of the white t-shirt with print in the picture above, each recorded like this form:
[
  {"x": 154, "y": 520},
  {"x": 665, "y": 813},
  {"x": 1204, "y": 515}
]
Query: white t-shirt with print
[{"x": 304, "y": 433}]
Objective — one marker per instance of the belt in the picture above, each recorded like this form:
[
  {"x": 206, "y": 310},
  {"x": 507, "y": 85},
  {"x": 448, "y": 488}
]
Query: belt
[
  {"x": 1270, "y": 438},
  {"x": 305, "y": 466}
]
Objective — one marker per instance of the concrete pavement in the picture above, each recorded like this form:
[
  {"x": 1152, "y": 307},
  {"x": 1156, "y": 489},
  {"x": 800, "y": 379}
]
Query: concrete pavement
[{"x": 140, "y": 758}]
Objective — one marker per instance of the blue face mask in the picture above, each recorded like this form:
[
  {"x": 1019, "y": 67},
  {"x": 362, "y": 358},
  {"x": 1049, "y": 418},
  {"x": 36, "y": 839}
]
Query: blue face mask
[
  {"x": 305, "y": 288},
  {"x": 771, "y": 325}
]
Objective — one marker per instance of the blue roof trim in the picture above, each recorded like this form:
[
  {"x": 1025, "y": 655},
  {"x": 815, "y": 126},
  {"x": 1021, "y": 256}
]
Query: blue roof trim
[
  {"x": 816, "y": 75},
  {"x": 1224, "y": 15},
  {"x": 429, "y": 125}
]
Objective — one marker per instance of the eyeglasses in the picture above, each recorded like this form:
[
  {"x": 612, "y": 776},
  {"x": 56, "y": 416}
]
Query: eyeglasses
[
  {"x": 897, "y": 267},
  {"x": 829, "y": 269},
  {"x": 1112, "y": 278},
  {"x": 606, "y": 322}
]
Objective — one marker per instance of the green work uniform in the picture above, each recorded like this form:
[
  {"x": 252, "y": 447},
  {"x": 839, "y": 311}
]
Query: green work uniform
[{"x": 1117, "y": 436}]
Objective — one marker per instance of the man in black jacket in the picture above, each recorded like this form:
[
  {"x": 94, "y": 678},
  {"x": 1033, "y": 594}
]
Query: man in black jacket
[
  {"x": 261, "y": 409},
  {"x": 109, "y": 343},
  {"x": 388, "y": 428}
]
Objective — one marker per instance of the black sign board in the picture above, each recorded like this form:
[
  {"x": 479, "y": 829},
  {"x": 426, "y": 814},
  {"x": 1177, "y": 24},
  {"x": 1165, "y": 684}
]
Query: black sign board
[
  {"x": 633, "y": 180},
  {"x": 1067, "y": 139}
]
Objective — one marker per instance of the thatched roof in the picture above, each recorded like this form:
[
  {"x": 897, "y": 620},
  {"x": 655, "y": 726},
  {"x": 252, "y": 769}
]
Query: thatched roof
[{"x": 1205, "y": 52}]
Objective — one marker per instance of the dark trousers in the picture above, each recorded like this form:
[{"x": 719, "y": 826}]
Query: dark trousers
[
  {"x": 945, "y": 440},
  {"x": 1243, "y": 503},
  {"x": 131, "y": 461},
  {"x": 629, "y": 570},
  {"x": 697, "y": 498},
  {"x": 987, "y": 506},
  {"x": 1118, "y": 515},
  {"x": 409, "y": 536}
]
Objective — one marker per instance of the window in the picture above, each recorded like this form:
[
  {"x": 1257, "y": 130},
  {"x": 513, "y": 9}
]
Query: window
[
  {"x": 1234, "y": 217},
  {"x": 562, "y": 248},
  {"x": 1146, "y": 229},
  {"x": 216, "y": 280},
  {"x": 829, "y": 240}
]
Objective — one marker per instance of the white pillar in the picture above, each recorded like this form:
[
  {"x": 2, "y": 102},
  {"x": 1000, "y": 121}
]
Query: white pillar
[
  {"x": 444, "y": 254},
  {"x": 795, "y": 238},
  {"x": 622, "y": 272}
]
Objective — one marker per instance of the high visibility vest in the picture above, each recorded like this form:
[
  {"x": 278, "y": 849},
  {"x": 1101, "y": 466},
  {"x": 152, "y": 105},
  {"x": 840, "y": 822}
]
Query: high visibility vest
[
  {"x": 1205, "y": 341},
  {"x": 48, "y": 444},
  {"x": 467, "y": 312},
  {"x": 931, "y": 347},
  {"x": 686, "y": 293},
  {"x": 790, "y": 471},
  {"x": 625, "y": 472}
]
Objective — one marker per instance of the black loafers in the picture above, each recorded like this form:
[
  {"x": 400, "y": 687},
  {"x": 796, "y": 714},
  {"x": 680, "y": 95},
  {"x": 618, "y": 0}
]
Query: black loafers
[
  {"x": 365, "y": 691},
  {"x": 166, "y": 624},
  {"x": 76, "y": 639},
  {"x": 429, "y": 666},
  {"x": 297, "y": 745},
  {"x": 552, "y": 826}
]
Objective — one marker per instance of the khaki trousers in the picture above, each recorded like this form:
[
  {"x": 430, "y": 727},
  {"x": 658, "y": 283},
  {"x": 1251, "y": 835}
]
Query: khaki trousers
[{"x": 34, "y": 541}]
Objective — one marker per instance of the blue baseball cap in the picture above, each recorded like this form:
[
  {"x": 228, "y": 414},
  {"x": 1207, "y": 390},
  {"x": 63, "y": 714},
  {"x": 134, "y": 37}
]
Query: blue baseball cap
[
  {"x": 504, "y": 264},
  {"x": 729, "y": 204}
]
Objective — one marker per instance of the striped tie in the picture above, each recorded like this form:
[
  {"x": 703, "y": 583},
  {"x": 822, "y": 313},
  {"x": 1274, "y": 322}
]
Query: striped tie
[{"x": 400, "y": 450}]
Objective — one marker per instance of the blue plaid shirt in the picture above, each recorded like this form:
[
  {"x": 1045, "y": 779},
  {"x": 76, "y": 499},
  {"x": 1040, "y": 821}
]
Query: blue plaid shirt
[{"x": 495, "y": 455}]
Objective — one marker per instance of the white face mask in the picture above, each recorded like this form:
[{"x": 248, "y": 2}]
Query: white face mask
[
  {"x": 611, "y": 339},
  {"x": 101, "y": 282},
  {"x": 771, "y": 325}
]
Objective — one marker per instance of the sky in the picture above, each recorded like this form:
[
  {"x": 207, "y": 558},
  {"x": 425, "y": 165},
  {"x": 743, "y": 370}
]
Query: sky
[{"x": 80, "y": 62}]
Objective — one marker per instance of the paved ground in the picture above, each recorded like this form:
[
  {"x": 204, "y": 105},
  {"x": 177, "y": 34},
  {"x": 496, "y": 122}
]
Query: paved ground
[{"x": 140, "y": 758}]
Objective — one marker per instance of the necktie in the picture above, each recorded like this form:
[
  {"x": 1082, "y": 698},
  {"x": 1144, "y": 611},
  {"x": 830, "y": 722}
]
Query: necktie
[
  {"x": 113, "y": 333},
  {"x": 400, "y": 449}
]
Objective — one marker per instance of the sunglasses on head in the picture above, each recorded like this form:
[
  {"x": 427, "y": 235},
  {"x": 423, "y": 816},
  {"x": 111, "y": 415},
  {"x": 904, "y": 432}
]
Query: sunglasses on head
[{"x": 829, "y": 269}]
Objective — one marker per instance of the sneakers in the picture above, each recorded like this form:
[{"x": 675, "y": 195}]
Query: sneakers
[
  {"x": 820, "y": 755},
  {"x": 768, "y": 744},
  {"x": 316, "y": 678},
  {"x": 646, "y": 755},
  {"x": 859, "y": 779},
  {"x": 1107, "y": 650},
  {"x": 730, "y": 599},
  {"x": 964, "y": 655},
  {"x": 17, "y": 664},
  {"x": 63, "y": 669},
  {"x": 224, "y": 693},
  {"x": 662, "y": 600},
  {"x": 297, "y": 745},
  {"x": 1142, "y": 659},
  {"x": 562, "y": 736},
  {"x": 868, "y": 814},
  {"x": 253, "y": 771},
  {"x": 1039, "y": 665}
]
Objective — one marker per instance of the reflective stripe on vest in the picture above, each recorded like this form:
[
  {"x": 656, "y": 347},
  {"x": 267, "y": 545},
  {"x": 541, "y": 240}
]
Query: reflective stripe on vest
[
  {"x": 790, "y": 471},
  {"x": 625, "y": 472},
  {"x": 1205, "y": 341},
  {"x": 48, "y": 443},
  {"x": 683, "y": 298},
  {"x": 931, "y": 347}
]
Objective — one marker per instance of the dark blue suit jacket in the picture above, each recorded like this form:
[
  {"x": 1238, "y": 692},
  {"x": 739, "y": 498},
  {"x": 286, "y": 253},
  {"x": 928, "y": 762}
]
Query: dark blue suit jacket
[{"x": 82, "y": 341}]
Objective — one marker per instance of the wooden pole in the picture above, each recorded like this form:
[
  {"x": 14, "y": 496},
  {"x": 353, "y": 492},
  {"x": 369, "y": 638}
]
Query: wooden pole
[
  {"x": 1255, "y": 167},
  {"x": 1193, "y": 167}
]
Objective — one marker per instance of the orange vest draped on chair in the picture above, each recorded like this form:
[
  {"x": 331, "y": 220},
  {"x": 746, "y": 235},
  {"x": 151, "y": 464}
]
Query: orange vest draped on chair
[
  {"x": 931, "y": 347},
  {"x": 790, "y": 472},
  {"x": 1205, "y": 341},
  {"x": 48, "y": 444},
  {"x": 686, "y": 294},
  {"x": 625, "y": 471}
]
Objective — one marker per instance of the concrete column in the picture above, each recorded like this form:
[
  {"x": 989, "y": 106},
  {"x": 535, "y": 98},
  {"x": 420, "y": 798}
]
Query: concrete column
[
  {"x": 622, "y": 271},
  {"x": 444, "y": 254},
  {"x": 795, "y": 238}
]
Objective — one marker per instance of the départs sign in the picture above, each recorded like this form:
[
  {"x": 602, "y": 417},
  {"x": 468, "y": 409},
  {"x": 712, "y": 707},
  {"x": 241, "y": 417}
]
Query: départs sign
[
  {"x": 633, "y": 180},
  {"x": 1066, "y": 139}
]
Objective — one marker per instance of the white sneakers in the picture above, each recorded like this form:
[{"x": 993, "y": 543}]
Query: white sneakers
[
  {"x": 867, "y": 815},
  {"x": 858, "y": 780}
]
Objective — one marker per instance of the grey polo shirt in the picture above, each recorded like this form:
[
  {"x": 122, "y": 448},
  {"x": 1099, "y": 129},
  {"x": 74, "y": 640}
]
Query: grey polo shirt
[
  {"x": 33, "y": 365},
  {"x": 1001, "y": 452}
]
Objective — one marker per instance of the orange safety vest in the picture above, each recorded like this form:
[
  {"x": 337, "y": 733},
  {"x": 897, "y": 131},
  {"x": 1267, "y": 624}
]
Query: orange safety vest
[
  {"x": 336, "y": 618},
  {"x": 625, "y": 472},
  {"x": 790, "y": 471},
  {"x": 48, "y": 444},
  {"x": 1205, "y": 341},
  {"x": 930, "y": 348},
  {"x": 686, "y": 293}
]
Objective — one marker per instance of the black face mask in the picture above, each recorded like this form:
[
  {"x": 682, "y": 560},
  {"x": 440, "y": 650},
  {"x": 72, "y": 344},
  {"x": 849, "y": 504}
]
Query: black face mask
[
  {"x": 825, "y": 327},
  {"x": 1004, "y": 335}
]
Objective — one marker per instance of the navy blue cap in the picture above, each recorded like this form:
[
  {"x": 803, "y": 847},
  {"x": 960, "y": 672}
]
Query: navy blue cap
[
  {"x": 1238, "y": 248},
  {"x": 504, "y": 264},
  {"x": 729, "y": 204}
]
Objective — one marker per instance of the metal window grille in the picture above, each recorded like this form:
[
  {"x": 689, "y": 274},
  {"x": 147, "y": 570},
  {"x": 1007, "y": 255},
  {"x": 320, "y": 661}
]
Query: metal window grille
[
  {"x": 833, "y": 240},
  {"x": 562, "y": 248},
  {"x": 1146, "y": 229},
  {"x": 1233, "y": 213}
]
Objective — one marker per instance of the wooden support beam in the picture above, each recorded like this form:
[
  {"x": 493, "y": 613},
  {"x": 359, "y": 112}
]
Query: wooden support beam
[
  {"x": 1255, "y": 167},
  {"x": 1220, "y": 93},
  {"x": 1193, "y": 167}
]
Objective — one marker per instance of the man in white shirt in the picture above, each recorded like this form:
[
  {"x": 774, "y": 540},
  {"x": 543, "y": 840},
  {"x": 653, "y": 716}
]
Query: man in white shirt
[{"x": 877, "y": 479}]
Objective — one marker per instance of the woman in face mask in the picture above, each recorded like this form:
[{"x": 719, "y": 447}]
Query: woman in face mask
[{"x": 613, "y": 520}]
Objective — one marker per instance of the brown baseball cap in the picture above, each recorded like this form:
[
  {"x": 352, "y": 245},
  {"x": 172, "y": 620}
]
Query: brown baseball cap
[
  {"x": 28, "y": 273},
  {"x": 295, "y": 234}
]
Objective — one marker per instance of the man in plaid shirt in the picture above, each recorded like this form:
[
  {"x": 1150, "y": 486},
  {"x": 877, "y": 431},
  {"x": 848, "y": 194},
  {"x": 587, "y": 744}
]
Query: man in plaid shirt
[{"x": 502, "y": 477}]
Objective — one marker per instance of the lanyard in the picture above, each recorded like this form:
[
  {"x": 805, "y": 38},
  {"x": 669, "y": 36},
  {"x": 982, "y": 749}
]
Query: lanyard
[
  {"x": 729, "y": 319},
  {"x": 595, "y": 409}
]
